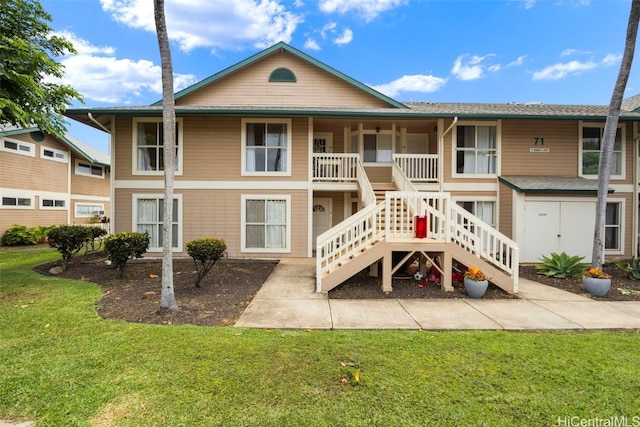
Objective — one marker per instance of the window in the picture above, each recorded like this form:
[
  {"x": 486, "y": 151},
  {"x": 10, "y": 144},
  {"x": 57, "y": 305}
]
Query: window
[
  {"x": 87, "y": 210},
  {"x": 266, "y": 147},
  {"x": 149, "y": 146},
  {"x": 53, "y": 154},
  {"x": 591, "y": 142},
  {"x": 89, "y": 170},
  {"x": 476, "y": 149},
  {"x": 52, "y": 203},
  {"x": 18, "y": 147},
  {"x": 485, "y": 210},
  {"x": 17, "y": 202},
  {"x": 377, "y": 148},
  {"x": 149, "y": 215},
  {"x": 265, "y": 224},
  {"x": 612, "y": 227}
]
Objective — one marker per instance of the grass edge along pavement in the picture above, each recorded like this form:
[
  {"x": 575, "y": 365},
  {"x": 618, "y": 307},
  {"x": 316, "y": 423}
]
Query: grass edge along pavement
[{"x": 61, "y": 364}]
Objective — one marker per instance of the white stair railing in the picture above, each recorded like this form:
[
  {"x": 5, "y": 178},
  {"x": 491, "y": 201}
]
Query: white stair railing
[
  {"x": 337, "y": 245},
  {"x": 340, "y": 167}
]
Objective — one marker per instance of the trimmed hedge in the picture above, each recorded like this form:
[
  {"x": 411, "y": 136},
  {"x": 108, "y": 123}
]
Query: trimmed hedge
[
  {"x": 121, "y": 247},
  {"x": 205, "y": 252}
]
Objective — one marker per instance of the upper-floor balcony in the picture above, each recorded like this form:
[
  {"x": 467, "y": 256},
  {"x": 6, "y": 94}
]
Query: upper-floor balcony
[{"x": 342, "y": 167}]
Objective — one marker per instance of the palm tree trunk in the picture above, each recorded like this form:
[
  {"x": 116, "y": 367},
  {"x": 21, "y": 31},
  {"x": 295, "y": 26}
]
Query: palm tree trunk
[
  {"x": 609, "y": 135},
  {"x": 167, "y": 298}
]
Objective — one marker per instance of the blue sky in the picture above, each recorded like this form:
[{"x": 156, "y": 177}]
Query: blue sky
[{"x": 548, "y": 51}]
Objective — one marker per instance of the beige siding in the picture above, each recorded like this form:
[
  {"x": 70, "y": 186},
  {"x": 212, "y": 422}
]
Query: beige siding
[
  {"x": 251, "y": 86},
  {"x": 379, "y": 174},
  {"x": 505, "y": 210},
  {"x": 30, "y": 218},
  {"x": 217, "y": 213},
  {"x": 88, "y": 185}
]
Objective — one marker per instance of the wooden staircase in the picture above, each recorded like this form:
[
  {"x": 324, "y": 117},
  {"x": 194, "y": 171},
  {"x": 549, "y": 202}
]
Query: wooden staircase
[{"x": 386, "y": 225}]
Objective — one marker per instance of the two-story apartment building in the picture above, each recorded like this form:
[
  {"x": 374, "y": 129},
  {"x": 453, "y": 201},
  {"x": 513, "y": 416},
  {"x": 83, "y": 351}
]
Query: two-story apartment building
[
  {"x": 284, "y": 156},
  {"x": 46, "y": 180}
]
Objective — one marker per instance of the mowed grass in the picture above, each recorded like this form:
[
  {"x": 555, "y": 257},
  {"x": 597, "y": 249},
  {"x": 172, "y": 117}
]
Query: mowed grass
[{"x": 63, "y": 365}]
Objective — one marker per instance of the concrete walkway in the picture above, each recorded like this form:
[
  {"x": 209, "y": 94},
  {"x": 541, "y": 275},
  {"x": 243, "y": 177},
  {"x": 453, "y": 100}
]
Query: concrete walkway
[{"x": 288, "y": 300}]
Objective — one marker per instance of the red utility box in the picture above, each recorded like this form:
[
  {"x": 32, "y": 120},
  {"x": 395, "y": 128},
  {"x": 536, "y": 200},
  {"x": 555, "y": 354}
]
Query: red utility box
[{"x": 420, "y": 226}]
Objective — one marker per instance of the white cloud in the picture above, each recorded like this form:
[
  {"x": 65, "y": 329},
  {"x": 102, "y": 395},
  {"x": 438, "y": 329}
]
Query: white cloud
[
  {"x": 518, "y": 62},
  {"x": 472, "y": 68},
  {"x": 528, "y": 4},
  {"x": 212, "y": 24},
  {"x": 344, "y": 38},
  {"x": 611, "y": 59},
  {"x": 100, "y": 76},
  {"x": 368, "y": 9},
  {"x": 311, "y": 44},
  {"x": 414, "y": 83},
  {"x": 562, "y": 70}
]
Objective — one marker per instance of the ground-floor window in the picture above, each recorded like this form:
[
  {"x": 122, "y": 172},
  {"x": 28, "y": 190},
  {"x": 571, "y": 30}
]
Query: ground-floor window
[
  {"x": 149, "y": 216},
  {"x": 612, "y": 226},
  {"x": 265, "y": 223},
  {"x": 52, "y": 204},
  {"x": 88, "y": 209},
  {"x": 17, "y": 202},
  {"x": 485, "y": 210}
]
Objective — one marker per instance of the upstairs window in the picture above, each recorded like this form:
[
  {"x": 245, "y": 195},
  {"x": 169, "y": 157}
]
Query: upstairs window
[
  {"x": 476, "y": 149},
  {"x": 591, "y": 147},
  {"x": 378, "y": 147},
  {"x": 88, "y": 169},
  {"x": 52, "y": 204},
  {"x": 53, "y": 154},
  {"x": 18, "y": 147},
  {"x": 17, "y": 202},
  {"x": 266, "y": 147},
  {"x": 149, "y": 146}
]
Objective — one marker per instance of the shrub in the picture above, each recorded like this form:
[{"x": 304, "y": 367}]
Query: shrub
[
  {"x": 97, "y": 234},
  {"x": 121, "y": 247},
  {"x": 632, "y": 268},
  {"x": 562, "y": 266},
  {"x": 205, "y": 252},
  {"x": 19, "y": 235},
  {"x": 68, "y": 240}
]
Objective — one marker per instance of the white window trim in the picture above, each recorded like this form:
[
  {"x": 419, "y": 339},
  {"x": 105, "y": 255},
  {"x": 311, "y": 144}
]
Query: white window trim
[
  {"x": 30, "y": 153},
  {"x": 243, "y": 152},
  {"x": 78, "y": 172},
  {"x": 76, "y": 205},
  {"x": 134, "y": 146},
  {"x": 65, "y": 159},
  {"x": 623, "y": 136},
  {"x": 53, "y": 208},
  {"x": 243, "y": 227},
  {"x": 454, "y": 143},
  {"x": 134, "y": 218},
  {"x": 17, "y": 195},
  {"x": 622, "y": 203}
]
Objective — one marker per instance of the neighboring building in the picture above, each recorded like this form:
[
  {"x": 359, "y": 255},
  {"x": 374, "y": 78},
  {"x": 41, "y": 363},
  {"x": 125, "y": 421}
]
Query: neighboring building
[
  {"x": 46, "y": 180},
  {"x": 281, "y": 155}
]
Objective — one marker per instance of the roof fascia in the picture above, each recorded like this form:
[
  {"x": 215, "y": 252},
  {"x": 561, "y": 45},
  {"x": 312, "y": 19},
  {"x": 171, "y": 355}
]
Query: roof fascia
[{"x": 285, "y": 47}]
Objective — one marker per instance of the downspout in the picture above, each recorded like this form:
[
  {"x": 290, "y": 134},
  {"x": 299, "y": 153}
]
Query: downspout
[{"x": 441, "y": 152}]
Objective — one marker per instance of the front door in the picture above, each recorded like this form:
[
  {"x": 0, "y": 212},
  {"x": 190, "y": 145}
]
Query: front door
[{"x": 322, "y": 216}]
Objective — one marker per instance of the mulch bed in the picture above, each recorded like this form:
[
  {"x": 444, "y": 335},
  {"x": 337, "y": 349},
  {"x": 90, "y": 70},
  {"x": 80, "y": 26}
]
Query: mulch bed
[{"x": 231, "y": 285}]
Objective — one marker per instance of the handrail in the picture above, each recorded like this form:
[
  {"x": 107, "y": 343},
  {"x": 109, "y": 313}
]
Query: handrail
[
  {"x": 354, "y": 234},
  {"x": 367, "y": 195}
]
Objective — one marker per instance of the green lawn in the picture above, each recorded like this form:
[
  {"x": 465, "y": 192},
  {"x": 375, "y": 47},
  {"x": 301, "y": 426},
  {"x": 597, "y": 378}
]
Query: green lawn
[{"x": 62, "y": 365}]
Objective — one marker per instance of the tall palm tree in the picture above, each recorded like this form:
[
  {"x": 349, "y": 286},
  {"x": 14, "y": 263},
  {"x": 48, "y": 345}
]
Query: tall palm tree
[
  {"x": 167, "y": 298},
  {"x": 609, "y": 135}
]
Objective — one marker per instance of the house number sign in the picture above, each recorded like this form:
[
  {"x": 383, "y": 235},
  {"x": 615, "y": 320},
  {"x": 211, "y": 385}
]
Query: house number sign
[{"x": 538, "y": 140}]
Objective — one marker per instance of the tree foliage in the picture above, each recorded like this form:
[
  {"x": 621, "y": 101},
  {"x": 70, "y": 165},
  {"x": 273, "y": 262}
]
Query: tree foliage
[{"x": 29, "y": 95}]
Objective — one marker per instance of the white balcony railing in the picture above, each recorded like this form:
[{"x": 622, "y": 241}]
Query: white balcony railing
[
  {"x": 334, "y": 167},
  {"x": 418, "y": 167}
]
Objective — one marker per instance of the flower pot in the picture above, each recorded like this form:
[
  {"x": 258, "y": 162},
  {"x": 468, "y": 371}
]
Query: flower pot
[
  {"x": 475, "y": 289},
  {"x": 597, "y": 286}
]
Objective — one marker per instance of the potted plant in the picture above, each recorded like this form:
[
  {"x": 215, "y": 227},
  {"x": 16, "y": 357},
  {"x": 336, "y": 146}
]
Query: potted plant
[
  {"x": 596, "y": 281},
  {"x": 475, "y": 282}
]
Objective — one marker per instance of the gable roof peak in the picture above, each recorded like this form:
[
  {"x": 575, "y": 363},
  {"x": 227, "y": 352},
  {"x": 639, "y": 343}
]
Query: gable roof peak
[{"x": 283, "y": 47}]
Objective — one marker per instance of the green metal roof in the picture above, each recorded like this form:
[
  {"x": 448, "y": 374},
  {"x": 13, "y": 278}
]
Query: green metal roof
[
  {"x": 552, "y": 184},
  {"x": 282, "y": 46}
]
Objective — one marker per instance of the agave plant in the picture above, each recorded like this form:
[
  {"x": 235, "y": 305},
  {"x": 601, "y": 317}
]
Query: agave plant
[
  {"x": 632, "y": 268},
  {"x": 561, "y": 265}
]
